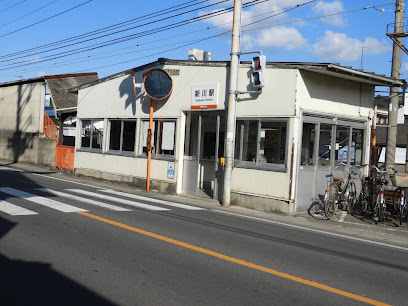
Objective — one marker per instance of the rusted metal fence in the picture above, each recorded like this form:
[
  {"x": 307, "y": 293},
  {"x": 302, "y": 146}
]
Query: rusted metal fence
[
  {"x": 50, "y": 128},
  {"x": 64, "y": 157}
]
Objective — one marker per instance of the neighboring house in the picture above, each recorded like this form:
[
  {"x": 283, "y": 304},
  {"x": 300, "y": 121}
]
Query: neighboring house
[
  {"x": 25, "y": 127},
  {"x": 22, "y": 105},
  {"x": 288, "y": 138},
  {"x": 65, "y": 102}
]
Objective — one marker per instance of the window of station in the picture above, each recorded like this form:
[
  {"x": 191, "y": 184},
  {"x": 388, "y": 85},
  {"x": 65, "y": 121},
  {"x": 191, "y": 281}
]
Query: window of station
[
  {"x": 308, "y": 141},
  {"x": 260, "y": 143},
  {"x": 163, "y": 137},
  {"x": 342, "y": 142},
  {"x": 324, "y": 145},
  {"x": 122, "y": 135},
  {"x": 92, "y": 134},
  {"x": 357, "y": 147}
]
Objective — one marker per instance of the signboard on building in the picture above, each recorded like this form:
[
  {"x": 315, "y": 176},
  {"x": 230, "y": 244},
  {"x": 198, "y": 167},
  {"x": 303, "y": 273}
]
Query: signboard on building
[
  {"x": 204, "y": 96},
  {"x": 343, "y": 152}
]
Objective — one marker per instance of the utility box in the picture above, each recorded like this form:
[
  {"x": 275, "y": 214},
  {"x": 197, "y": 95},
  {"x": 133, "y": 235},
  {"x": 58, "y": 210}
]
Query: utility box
[{"x": 199, "y": 55}]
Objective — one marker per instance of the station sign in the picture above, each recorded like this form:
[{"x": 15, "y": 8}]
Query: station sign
[{"x": 204, "y": 96}]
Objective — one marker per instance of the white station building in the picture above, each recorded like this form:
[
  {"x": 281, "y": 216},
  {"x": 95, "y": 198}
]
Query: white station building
[{"x": 308, "y": 117}]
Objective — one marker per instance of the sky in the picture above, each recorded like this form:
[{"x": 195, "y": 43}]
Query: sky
[{"x": 49, "y": 37}]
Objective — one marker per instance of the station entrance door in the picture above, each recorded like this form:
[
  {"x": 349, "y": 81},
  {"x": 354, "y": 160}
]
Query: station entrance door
[{"x": 203, "y": 148}]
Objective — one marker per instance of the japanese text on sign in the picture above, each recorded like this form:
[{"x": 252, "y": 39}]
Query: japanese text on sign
[{"x": 204, "y": 96}]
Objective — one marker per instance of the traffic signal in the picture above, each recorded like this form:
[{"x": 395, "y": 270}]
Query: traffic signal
[{"x": 258, "y": 71}]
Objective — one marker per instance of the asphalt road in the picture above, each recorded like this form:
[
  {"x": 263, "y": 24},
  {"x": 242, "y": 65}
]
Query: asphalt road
[{"x": 112, "y": 248}]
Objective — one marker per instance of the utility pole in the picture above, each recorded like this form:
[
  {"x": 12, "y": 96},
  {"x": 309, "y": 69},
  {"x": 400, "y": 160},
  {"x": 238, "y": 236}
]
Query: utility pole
[
  {"x": 395, "y": 73},
  {"x": 234, "y": 69}
]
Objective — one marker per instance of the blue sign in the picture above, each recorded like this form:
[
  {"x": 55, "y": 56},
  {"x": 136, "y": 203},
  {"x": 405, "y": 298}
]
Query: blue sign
[
  {"x": 170, "y": 170},
  {"x": 342, "y": 154}
]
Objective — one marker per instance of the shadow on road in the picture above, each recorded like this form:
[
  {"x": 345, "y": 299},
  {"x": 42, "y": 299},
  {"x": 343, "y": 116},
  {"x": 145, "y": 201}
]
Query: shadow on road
[{"x": 34, "y": 283}]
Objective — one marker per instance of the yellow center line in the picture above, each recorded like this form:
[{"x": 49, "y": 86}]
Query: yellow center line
[{"x": 237, "y": 261}]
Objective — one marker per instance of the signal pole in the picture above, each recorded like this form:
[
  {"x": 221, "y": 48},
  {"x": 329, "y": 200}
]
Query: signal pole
[
  {"x": 395, "y": 73},
  {"x": 233, "y": 84}
]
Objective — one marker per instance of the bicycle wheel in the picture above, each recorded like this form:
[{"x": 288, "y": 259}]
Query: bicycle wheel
[
  {"x": 396, "y": 200},
  {"x": 379, "y": 207},
  {"x": 362, "y": 200},
  {"x": 351, "y": 197},
  {"x": 331, "y": 200}
]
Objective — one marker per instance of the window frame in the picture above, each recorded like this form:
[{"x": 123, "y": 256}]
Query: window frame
[
  {"x": 90, "y": 148},
  {"x": 122, "y": 125},
  {"x": 355, "y": 125},
  {"x": 156, "y": 139},
  {"x": 257, "y": 165}
]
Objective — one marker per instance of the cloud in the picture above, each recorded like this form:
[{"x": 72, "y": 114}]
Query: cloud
[
  {"x": 328, "y": 8},
  {"x": 260, "y": 16},
  {"x": 252, "y": 15},
  {"x": 288, "y": 38},
  {"x": 404, "y": 67},
  {"x": 338, "y": 46},
  {"x": 41, "y": 73}
]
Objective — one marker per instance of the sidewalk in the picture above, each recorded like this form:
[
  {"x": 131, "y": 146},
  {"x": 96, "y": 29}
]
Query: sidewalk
[{"x": 357, "y": 226}]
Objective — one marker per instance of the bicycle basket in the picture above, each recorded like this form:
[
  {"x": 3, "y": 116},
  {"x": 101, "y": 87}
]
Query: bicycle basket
[
  {"x": 356, "y": 172},
  {"x": 399, "y": 179}
]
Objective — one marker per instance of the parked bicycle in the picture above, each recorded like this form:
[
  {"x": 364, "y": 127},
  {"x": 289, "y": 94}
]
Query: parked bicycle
[
  {"x": 399, "y": 197},
  {"x": 365, "y": 197},
  {"x": 341, "y": 192},
  {"x": 377, "y": 193}
]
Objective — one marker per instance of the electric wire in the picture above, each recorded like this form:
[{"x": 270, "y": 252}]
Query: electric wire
[
  {"x": 220, "y": 25},
  {"x": 76, "y": 37},
  {"x": 46, "y": 19},
  {"x": 248, "y": 4},
  {"x": 300, "y": 20},
  {"x": 226, "y": 32},
  {"x": 129, "y": 37},
  {"x": 32, "y": 12},
  {"x": 7, "y": 8},
  {"x": 182, "y": 46}
]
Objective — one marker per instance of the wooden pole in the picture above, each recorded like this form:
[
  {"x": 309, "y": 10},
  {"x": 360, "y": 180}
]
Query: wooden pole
[{"x": 149, "y": 145}]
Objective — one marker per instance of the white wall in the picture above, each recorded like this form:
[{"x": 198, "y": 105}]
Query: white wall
[
  {"x": 120, "y": 165},
  {"x": 323, "y": 94},
  {"x": 116, "y": 99},
  {"x": 277, "y": 97},
  {"x": 287, "y": 92},
  {"x": 22, "y": 107}
]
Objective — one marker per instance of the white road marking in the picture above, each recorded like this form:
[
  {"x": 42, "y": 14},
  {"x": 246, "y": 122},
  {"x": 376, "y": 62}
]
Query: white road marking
[
  {"x": 59, "y": 179},
  {"x": 113, "y": 199},
  {"x": 138, "y": 197},
  {"x": 41, "y": 200},
  {"x": 15, "y": 210},
  {"x": 318, "y": 231},
  {"x": 84, "y": 200}
]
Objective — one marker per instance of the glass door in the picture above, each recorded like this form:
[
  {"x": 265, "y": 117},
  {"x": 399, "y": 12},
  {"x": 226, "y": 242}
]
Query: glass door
[
  {"x": 307, "y": 169},
  {"x": 203, "y": 147},
  {"x": 192, "y": 143}
]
